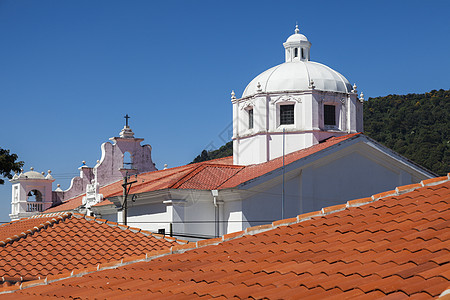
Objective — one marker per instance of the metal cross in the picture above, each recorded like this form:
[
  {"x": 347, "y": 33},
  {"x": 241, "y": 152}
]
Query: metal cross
[{"x": 126, "y": 117}]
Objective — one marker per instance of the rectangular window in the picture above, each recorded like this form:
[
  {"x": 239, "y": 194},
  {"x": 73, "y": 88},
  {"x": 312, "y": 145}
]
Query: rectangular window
[
  {"x": 329, "y": 115},
  {"x": 250, "y": 118},
  {"x": 162, "y": 231},
  {"x": 287, "y": 114}
]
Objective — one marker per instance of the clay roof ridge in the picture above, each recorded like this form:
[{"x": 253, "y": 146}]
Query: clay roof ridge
[
  {"x": 30, "y": 231},
  {"x": 132, "y": 229},
  {"x": 220, "y": 185},
  {"x": 187, "y": 169},
  {"x": 215, "y": 241},
  {"x": 203, "y": 167},
  {"x": 189, "y": 175}
]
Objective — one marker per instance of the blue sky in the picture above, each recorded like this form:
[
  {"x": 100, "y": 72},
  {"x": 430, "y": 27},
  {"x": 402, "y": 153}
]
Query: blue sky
[{"x": 70, "y": 70}]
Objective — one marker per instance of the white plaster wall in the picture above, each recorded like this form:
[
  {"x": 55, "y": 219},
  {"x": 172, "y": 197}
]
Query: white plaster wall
[
  {"x": 150, "y": 216},
  {"x": 200, "y": 218},
  {"x": 232, "y": 212},
  {"x": 265, "y": 206},
  {"x": 350, "y": 177}
]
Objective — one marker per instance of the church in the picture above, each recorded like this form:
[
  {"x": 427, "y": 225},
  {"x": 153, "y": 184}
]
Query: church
[{"x": 298, "y": 146}]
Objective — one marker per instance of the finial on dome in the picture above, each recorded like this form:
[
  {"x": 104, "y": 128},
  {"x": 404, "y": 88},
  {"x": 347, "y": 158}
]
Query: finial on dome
[
  {"x": 233, "y": 95},
  {"x": 83, "y": 162},
  {"x": 361, "y": 97},
  {"x": 354, "y": 88},
  {"x": 258, "y": 87},
  {"x": 49, "y": 171},
  {"x": 296, "y": 29},
  {"x": 31, "y": 168},
  {"x": 165, "y": 166}
]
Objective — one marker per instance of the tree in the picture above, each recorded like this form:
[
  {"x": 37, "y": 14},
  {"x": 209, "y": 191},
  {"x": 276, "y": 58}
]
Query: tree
[{"x": 8, "y": 164}]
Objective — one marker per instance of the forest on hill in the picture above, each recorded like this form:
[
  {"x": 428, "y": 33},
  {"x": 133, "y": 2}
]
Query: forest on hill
[{"x": 416, "y": 126}]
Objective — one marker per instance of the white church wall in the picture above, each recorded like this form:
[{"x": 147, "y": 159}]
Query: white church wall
[
  {"x": 232, "y": 212},
  {"x": 351, "y": 176},
  {"x": 265, "y": 205},
  {"x": 200, "y": 218},
  {"x": 152, "y": 216}
]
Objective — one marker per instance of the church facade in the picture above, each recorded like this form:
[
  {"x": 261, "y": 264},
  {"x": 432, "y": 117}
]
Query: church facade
[{"x": 297, "y": 147}]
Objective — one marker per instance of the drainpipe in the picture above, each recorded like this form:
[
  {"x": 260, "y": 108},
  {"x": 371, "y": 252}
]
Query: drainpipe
[{"x": 215, "y": 194}]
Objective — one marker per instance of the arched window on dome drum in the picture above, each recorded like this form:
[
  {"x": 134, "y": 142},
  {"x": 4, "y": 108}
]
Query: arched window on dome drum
[
  {"x": 296, "y": 52},
  {"x": 303, "y": 53}
]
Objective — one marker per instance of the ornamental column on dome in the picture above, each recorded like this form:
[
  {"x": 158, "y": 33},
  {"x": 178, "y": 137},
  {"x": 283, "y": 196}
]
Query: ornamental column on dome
[{"x": 306, "y": 100}]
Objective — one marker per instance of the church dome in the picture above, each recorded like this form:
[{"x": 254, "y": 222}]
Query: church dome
[
  {"x": 297, "y": 76},
  {"x": 296, "y": 37},
  {"x": 298, "y": 73},
  {"x": 32, "y": 175}
]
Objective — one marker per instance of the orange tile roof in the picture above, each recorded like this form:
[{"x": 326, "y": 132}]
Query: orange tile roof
[
  {"x": 51, "y": 244},
  {"x": 155, "y": 180},
  {"x": 395, "y": 245},
  {"x": 209, "y": 175}
]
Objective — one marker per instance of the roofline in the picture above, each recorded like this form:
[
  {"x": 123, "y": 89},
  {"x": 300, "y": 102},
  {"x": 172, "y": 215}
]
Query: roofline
[
  {"x": 231, "y": 236},
  {"x": 67, "y": 215},
  {"x": 423, "y": 169}
]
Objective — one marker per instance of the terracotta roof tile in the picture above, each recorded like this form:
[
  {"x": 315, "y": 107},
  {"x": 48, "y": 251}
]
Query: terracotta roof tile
[
  {"x": 57, "y": 243},
  {"x": 374, "y": 250},
  {"x": 395, "y": 247}
]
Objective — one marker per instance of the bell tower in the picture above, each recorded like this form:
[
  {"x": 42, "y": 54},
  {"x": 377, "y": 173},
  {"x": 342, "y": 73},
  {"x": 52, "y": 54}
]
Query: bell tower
[{"x": 31, "y": 193}]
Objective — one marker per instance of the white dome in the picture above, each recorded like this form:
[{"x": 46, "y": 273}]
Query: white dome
[
  {"x": 296, "y": 76},
  {"x": 33, "y": 175},
  {"x": 296, "y": 37}
]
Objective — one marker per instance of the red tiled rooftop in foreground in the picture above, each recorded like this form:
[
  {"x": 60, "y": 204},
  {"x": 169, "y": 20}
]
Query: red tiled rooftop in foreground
[
  {"x": 394, "y": 244},
  {"x": 48, "y": 245},
  {"x": 209, "y": 175}
]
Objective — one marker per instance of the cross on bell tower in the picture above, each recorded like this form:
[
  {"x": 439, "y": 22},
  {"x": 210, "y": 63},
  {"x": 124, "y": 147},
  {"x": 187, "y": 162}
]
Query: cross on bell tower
[{"x": 126, "y": 131}]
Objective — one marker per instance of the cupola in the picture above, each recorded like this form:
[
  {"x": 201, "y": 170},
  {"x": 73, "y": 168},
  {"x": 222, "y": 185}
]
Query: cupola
[{"x": 297, "y": 47}]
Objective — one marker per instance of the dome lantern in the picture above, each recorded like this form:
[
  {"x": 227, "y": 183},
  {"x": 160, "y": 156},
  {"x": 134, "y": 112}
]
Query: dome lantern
[{"x": 297, "y": 47}]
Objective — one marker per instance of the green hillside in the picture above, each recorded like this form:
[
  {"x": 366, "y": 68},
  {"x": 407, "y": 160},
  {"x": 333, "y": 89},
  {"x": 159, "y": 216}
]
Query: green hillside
[{"x": 415, "y": 125}]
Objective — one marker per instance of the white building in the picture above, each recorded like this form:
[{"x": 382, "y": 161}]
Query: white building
[{"x": 302, "y": 108}]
